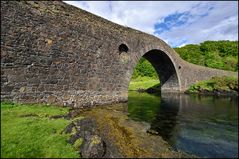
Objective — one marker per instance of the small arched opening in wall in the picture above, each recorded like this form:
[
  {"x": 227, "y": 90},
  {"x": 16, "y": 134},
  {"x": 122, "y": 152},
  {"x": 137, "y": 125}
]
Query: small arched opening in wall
[
  {"x": 166, "y": 70},
  {"x": 123, "y": 48}
]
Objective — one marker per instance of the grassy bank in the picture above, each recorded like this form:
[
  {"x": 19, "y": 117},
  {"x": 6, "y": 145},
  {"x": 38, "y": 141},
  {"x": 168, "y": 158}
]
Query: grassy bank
[
  {"x": 28, "y": 132},
  {"x": 142, "y": 83},
  {"x": 216, "y": 85}
]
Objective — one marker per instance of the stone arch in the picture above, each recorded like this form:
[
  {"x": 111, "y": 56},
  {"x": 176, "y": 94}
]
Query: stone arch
[{"x": 166, "y": 69}]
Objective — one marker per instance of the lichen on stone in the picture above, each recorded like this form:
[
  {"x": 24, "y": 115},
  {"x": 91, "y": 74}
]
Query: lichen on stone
[{"x": 78, "y": 143}]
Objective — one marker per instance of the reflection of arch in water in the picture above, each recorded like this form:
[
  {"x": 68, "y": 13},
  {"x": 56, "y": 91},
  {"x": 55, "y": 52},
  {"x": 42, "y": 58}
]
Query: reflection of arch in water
[{"x": 165, "y": 122}]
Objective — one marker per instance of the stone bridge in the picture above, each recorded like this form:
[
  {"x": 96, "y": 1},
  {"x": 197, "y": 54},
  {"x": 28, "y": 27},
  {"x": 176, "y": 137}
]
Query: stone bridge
[{"x": 55, "y": 53}]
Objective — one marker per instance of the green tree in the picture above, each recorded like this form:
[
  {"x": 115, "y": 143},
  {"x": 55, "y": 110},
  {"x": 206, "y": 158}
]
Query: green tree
[
  {"x": 144, "y": 68},
  {"x": 214, "y": 54}
]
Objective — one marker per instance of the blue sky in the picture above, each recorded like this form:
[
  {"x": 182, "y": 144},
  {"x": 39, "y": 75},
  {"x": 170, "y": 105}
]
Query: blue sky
[{"x": 176, "y": 22}]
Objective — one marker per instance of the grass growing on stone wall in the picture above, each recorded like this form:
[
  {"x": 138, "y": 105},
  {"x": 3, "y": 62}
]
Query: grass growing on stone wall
[
  {"x": 215, "y": 84},
  {"x": 142, "y": 83},
  {"x": 28, "y": 132}
]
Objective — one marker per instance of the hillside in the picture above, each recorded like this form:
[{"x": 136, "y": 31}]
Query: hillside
[{"x": 214, "y": 54}]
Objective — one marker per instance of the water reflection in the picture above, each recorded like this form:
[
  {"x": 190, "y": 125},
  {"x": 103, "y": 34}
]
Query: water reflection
[
  {"x": 165, "y": 120},
  {"x": 206, "y": 126}
]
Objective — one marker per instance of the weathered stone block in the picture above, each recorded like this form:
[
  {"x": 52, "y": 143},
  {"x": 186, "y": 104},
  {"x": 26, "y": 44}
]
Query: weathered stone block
[
  {"x": 51, "y": 99},
  {"x": 51, "y": 81}
]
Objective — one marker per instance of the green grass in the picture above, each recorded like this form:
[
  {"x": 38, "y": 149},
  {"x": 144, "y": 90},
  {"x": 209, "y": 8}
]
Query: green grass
[
  {"x": 34, "y": 136},
  {"x": 224, "y": 83},
  {"x": 142, "y": 83}
]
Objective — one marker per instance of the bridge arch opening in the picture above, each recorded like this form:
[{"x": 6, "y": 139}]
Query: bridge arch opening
[{"x": 166, "y": 70}]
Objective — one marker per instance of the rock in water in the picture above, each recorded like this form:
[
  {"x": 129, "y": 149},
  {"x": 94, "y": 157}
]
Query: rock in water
[
  {"x": 152, "y": 132},
  {"x": 93, "y": 147}
]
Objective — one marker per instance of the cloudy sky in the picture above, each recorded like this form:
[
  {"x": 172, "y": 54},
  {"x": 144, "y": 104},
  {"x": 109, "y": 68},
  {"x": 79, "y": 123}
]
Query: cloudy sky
[{"x": 177, "y": 23}]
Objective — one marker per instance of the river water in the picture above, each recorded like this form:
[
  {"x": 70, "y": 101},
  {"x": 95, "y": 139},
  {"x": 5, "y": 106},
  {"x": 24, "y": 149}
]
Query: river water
[{"x": 205, "y": 126}]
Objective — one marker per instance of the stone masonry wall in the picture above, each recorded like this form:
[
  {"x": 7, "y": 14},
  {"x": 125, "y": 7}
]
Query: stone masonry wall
[{"x": 55, "y": 53}]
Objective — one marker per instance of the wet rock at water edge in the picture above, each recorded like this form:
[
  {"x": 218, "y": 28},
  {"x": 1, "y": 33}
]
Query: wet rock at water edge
[
  {"x": 86, "y": 125},
  {"x": 93, "y": 147},
  {"x": 152, "y": 132}
]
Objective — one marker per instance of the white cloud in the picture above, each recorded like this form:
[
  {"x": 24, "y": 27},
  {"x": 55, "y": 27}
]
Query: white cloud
[
  {"x": 141, "y": 15},
  {"x": 218, "y": 25},
  {"x": 182, "y": 45},
  {"x": 209, "y": 20}
]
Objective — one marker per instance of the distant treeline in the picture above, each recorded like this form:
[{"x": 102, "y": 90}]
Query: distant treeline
[{"x": 214, "y": 54}]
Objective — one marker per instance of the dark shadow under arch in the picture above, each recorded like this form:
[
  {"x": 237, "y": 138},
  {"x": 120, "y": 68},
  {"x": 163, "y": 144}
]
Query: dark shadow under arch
[{"x": 165, "y": 69}]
